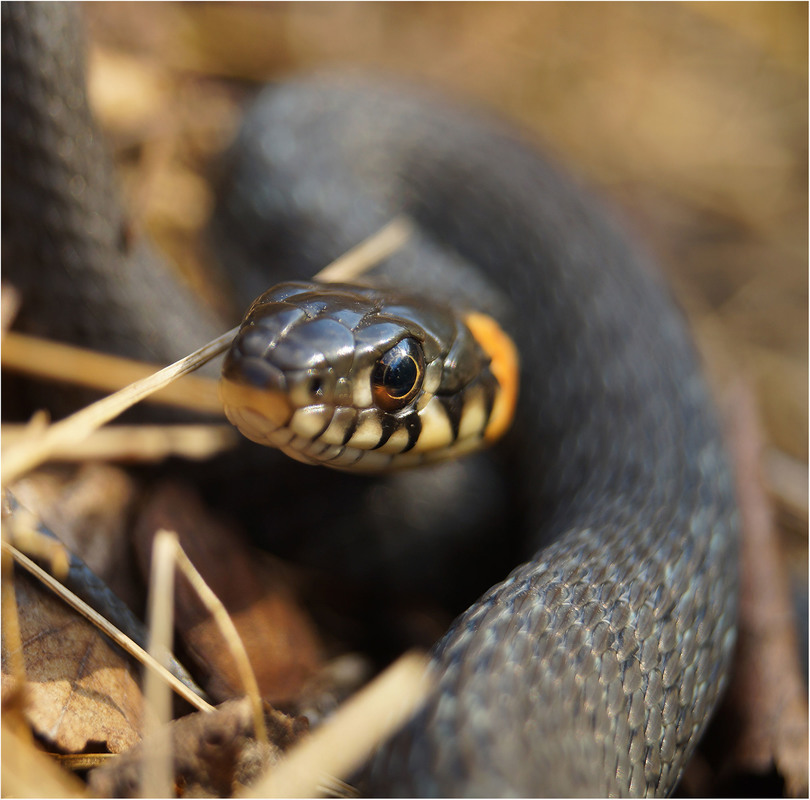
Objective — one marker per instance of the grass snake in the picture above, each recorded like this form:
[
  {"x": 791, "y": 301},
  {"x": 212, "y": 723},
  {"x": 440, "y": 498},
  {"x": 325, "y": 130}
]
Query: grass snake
[{"x": 593, "y": 667}]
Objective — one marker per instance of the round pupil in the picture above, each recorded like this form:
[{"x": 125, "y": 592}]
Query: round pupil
[{"x": 400, "y": 373}]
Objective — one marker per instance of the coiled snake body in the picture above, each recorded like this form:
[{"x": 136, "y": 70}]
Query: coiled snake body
[{"x": 593, "y": 667}]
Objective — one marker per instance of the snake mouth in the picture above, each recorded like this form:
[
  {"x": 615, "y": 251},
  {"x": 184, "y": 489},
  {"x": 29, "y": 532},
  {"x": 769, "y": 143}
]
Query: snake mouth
[
  {"x": 272, "y": 406},
  {"x": 255, "y": 401}
]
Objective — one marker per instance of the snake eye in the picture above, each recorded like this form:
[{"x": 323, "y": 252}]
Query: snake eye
[{"x": 397, "y": 376}]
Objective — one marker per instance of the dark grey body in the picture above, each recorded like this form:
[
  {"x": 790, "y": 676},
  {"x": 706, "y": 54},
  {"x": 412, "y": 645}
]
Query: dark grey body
[
  {"x": 61, "y": 212},
  {"x": 592, "y": 669}
]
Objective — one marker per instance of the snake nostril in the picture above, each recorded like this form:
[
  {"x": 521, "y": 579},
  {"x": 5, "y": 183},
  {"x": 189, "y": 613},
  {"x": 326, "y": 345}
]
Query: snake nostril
[{"x": 315, "y": 386}]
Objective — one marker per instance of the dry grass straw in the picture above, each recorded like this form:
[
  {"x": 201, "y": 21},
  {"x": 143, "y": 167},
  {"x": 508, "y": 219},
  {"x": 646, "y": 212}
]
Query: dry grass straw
[
  {"x": 157, "y": 772},
  {"x": 21, "y": 759},
  {"x": 157, "y": 766},
  {"x": 353, "y": 263},
  {"x": 231, "y": 636},
  {"x": 43, "y": 358},
  {"x": 12, "y": 637},
  {"x": 68, "y": 432},
  {"x": 27, "y": 772},
  {"x": 21, "y": 529},
  {"x": 335, "y": 749},
  {"x": 138, "y": 442},
  {"x": 342, "y": 743},
  {"x": 9, "y": 306},
  {"x": 76, "y": 762}
]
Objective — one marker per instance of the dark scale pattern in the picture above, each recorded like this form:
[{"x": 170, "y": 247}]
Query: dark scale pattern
[
  {"x": 61, "y": 216},
  {"x": 591, "y": 669}
]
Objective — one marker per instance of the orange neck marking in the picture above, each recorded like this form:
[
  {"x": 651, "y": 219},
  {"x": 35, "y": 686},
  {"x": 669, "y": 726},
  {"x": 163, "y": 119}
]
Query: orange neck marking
[{"x": 505, "y": 367}]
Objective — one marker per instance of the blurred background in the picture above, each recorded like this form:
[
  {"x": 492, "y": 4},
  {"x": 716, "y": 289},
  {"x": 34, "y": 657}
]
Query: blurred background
[{"x": 691, "y": 118}]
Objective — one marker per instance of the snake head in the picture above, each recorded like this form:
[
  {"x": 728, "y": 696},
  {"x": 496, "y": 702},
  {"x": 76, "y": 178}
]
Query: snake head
[{"x": 363, "y": 379}]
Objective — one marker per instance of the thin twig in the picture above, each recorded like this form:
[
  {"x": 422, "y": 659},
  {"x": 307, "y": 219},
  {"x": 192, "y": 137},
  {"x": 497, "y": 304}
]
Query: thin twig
[
  {"x": 82, "y": 761},
  {"x": 369, "y": 252},
  {"x": 138, "y": 442},
  {"x": 231, "y": 635},
  {"x": 157, "y": 768},
  {"x": 58, "y": 361},
  {"x": 12, "y": 637}
]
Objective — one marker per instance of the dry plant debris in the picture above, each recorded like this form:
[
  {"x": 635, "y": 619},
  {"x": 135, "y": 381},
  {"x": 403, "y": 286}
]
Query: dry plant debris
[
  {"x": 88, "y": 509},
  {"x": 9, "y": 305},
  {"x": 28, "y": 454},
  {"x": 769, "y": 693},
  {"x": 344, "y": 742},
  {"x": 80, "y": 693},
  {"x": 41, "y": 442},
  {"x": 63, "y": 362},
  {"x": 27, "y": 771},
  {"x": 280, "y": 639},
  {"x": 140, "y": 443},
  {"x": 213, "y": 753}
]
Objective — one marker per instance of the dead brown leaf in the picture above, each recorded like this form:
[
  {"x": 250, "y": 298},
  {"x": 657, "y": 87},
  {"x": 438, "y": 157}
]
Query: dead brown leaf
[
  {"x": 280, "y": 639},
  {"x": 89, "y": 509},
  {"x": 80, "y": 692}
]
